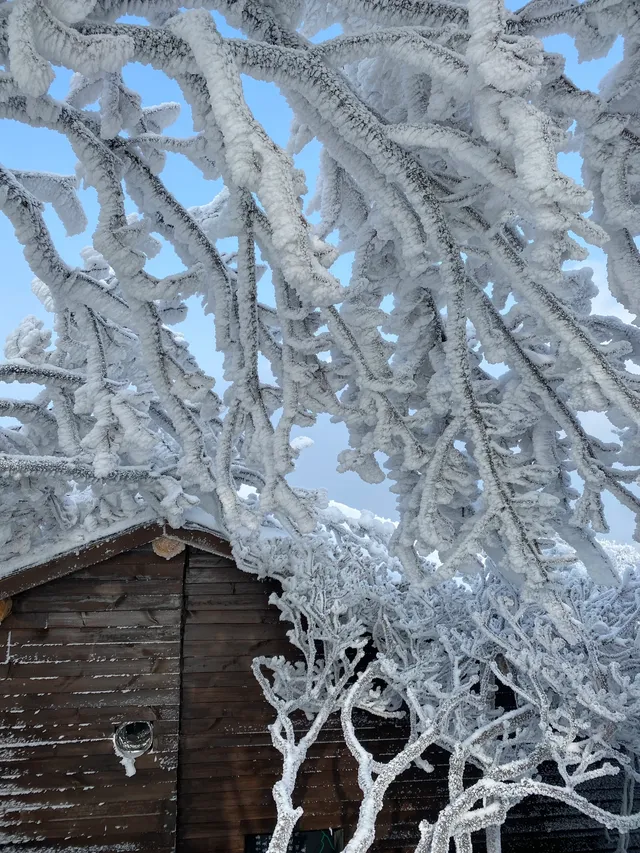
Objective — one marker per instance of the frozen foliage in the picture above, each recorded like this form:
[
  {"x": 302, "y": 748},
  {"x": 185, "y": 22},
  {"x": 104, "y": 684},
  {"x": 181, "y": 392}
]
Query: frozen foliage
[
  {"x": 472, "y": 670},
  {"x": 440, "y": 123}
]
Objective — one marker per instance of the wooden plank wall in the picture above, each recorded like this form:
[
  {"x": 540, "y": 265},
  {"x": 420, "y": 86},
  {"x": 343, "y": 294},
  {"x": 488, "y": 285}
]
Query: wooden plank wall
[
  {"x": 228, "y": 766},
  {"x": 540, "y": 825},
  {"x": 78, "y": 656},
  {"x": 227, "y": 763}
]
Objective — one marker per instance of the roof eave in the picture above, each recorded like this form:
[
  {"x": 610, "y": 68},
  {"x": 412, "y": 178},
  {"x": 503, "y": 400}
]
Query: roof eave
[{"x": 38, "y": 572}]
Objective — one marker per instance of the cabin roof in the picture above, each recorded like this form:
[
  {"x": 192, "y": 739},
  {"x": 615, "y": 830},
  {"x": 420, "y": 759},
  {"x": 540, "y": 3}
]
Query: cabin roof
[{"x": 30, "y": 573}]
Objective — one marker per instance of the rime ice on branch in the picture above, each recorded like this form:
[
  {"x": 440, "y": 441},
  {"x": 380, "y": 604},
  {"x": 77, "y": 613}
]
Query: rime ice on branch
[
  {"x": 440, "y": 124},
  {"x": 470, "y": 669}
]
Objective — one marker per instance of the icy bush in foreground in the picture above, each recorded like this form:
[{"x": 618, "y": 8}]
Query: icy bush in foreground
[{"x": 469, "y": 668}]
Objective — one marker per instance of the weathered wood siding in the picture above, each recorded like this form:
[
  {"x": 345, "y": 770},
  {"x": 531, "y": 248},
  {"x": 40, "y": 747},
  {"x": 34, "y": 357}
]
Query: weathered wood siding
[
  {"x": 540, "y": 825},
  {"x": 227, "y": 763},
  {"x": 78, "y": 656}
]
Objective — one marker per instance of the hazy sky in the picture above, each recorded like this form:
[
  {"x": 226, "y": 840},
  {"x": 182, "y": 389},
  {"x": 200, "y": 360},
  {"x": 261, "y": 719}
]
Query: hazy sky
[{"x": 22, "y": 147}]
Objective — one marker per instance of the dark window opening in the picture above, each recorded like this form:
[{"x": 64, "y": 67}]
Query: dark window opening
[{"x": 318, "y": 841}]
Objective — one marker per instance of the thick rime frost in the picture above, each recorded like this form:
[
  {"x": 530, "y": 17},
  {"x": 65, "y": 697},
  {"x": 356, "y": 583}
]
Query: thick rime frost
[
  {"x": 468, "y": 668},
  {"x": 440, "y": 125}
]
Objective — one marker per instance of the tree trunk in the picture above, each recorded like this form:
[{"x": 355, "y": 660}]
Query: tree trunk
[{"x": 288, "y": 816}]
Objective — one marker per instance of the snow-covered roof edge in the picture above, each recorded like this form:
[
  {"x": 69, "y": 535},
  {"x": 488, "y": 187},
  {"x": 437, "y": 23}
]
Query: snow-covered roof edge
[
  {"x": 44, "y": 565},
  {"x": 201, "y": 529}
]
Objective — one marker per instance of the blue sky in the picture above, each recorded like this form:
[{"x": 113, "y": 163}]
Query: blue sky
[{"x": 22, "y": 147}]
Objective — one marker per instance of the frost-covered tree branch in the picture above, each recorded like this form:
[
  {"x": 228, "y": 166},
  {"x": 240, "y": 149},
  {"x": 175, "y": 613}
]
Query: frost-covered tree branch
[
  {"x": 470, "y": 668},
  {"x": 327, "y": 593},
  {"x": 440, "y": 125}
]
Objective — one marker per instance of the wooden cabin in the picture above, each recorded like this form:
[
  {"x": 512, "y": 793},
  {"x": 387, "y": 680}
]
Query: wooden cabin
[{"x": 131, "y": 722}]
